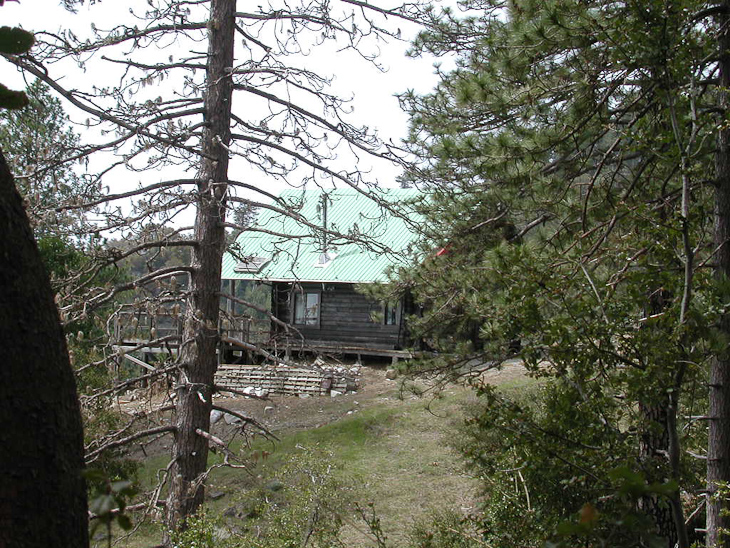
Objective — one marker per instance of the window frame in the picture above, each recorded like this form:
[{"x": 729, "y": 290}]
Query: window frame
[
  {"x": 302, "y": 295},
  {"x": 395, "y": 312}
]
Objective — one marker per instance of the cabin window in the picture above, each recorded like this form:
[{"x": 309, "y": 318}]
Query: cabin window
[
  {"x": 390, "y": 313},
  {"x": 306, "y": 307}
]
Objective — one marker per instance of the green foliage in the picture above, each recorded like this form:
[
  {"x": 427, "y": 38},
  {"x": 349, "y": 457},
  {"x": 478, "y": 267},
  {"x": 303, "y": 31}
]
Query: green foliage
[
  {"x": 446, "y": 529},
  {"x": 299, "y": 503},
  {"x": 111, "y": 479},
  {"x": 625, "y": 526},
  {"x": 148, "y": 260},
  {"x": 12, "y": 100},
  {"x": 549, "y": 473},
  {"x": 108, "y": 500},
  {"x": 59, "y": 256},
  {"x": 557, "y": 154},
  {"x": 525, "y": 492},
  {"x": 14, "y": 41},
  {"x": 37, "y": 142},
  {"x": 199, "y": 532},
  {"x": 303, "y": 505}
]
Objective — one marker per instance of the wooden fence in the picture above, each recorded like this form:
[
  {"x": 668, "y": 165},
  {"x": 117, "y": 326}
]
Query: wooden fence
[{"x": 136, "y": 325}]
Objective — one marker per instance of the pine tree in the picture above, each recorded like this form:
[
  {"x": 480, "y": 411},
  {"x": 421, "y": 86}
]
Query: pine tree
[{"x": 570, "y": 154}]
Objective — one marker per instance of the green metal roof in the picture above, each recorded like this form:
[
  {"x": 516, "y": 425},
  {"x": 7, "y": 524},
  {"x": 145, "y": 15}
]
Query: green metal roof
[{"x": 280, "y": 247}]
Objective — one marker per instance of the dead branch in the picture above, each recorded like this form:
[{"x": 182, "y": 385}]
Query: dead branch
[
  {"x": 253, "y": 348},
  {"x": 288, "y": 328},
  {"x": 119, "y": 443},
  {"x": 247, "y": 420}
]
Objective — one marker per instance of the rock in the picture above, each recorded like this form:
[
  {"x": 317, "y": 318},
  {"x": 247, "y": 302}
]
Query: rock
[
  {"x": 303, "y": 396},
  {"x": 215, "y": 495},
  {"x": 231, "y": 512},
  {"x": 391, "y": 374},
  {"x": 215, "y": 416},
  {"x": 335, "y": 393},
  {"x": 249, "y": 390},
  {"x": 231, "y": 419},
  {"x": 269, "y": 409},
  {"x": 261, "y": 392}
]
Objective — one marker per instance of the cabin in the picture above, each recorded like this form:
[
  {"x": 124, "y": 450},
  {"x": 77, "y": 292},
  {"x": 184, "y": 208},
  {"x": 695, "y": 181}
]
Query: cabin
[{"x": 313, "y": 265}]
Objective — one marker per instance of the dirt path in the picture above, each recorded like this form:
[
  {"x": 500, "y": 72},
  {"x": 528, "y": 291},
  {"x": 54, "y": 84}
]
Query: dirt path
[{"x": 408, "y": 467}]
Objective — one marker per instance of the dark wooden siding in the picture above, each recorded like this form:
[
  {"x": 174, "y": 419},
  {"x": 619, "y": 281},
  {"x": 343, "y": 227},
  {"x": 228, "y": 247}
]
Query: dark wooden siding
[{"x": 346, "y": 317}]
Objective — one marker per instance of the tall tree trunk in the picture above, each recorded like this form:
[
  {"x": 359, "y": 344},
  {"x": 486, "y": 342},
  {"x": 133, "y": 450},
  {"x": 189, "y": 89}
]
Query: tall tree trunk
[
  {"x": 718, "y": 446},
  {"x": 653, "y": 446},
  {"x": 659, "y": 445},
  {"x": 194, "y": 387},
  {"x": 42, "y": 491}
]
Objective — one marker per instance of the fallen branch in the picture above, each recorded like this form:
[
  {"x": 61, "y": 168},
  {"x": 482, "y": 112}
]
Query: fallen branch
[
  {"x": 253, "y": 348},
  {"x": 246, "y": 419},
  {"x": 119, "y": 443},
  {"x": 213, "y": 439},
  {"x": 130, "y": 382},
  {"x": 130, "y": 508}
]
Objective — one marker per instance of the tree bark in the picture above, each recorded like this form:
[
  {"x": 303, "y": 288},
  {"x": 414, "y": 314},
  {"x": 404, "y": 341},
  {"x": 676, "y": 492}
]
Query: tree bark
[
  {"x": 194, "y": 387},
  {"x": 42, "y": 491},
  {"x": 654, "y": 446},
  {"x": 718, "y": 446}
]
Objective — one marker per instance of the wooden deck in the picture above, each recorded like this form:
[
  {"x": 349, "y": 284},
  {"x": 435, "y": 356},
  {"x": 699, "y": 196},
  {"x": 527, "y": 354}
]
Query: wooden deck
[
  {"x": 319, "y": 347},
  {"x": 159, "y": 331}
]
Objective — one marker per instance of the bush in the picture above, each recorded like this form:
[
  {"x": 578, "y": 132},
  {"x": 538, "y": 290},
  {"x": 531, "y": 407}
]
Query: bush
[
  {"x": 302, "y": 504},
  {"x": 445, "y": 529},
  {"x": 199, "y": 533}
]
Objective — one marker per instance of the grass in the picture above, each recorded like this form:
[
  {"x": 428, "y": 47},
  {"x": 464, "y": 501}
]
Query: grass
[{"x": 393, "y": 453}]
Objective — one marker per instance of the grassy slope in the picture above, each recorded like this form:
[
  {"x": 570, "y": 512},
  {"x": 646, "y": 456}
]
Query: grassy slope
[{"x": 392, "y": 452}]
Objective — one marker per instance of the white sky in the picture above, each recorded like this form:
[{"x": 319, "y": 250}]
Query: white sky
[{"x": 373, "y": 92}]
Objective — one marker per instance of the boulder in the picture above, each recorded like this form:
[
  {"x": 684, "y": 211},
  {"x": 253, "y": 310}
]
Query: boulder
[
  {"x": 230, "y": 419},
  {"x": 215, "y": 416}
]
